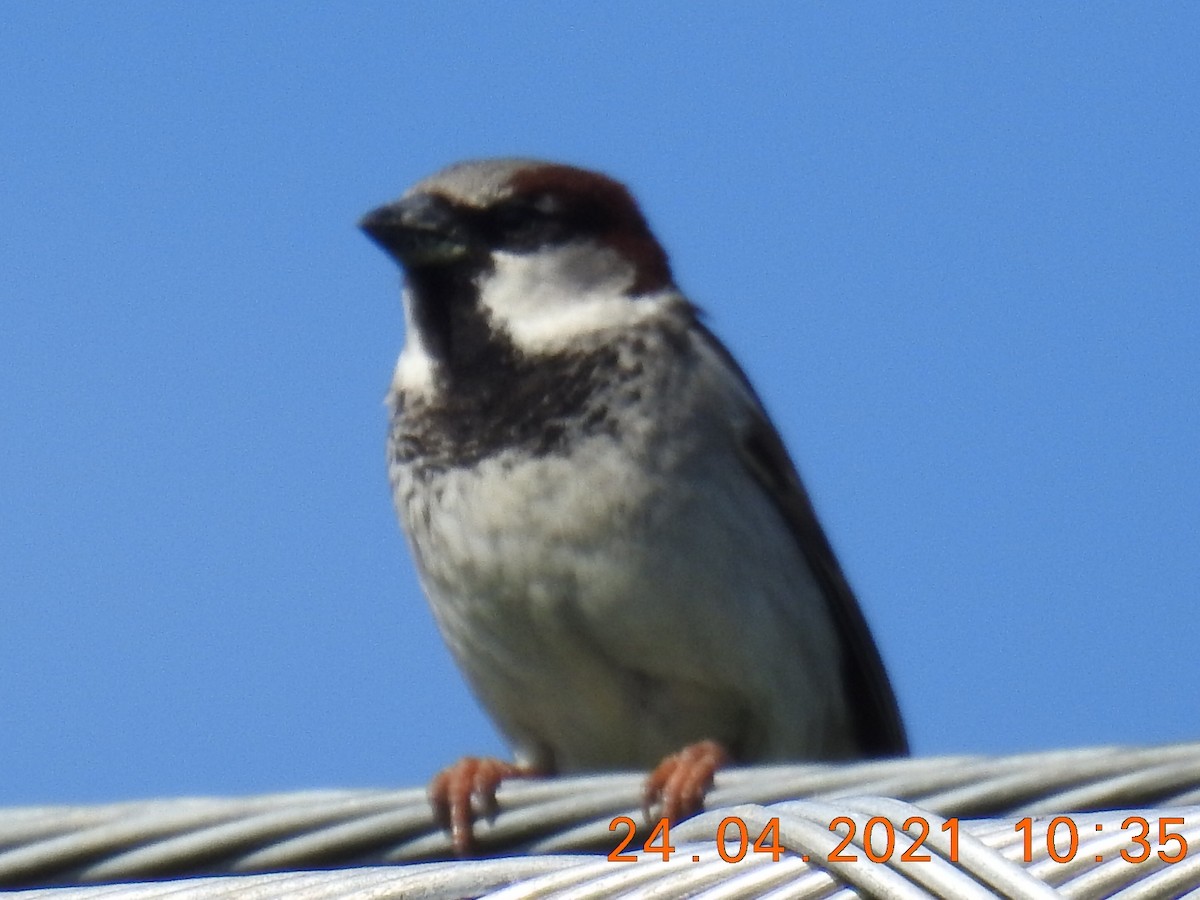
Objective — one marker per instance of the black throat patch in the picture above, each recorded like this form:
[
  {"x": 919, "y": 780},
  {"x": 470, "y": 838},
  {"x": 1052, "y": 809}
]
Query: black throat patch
[
  {"x": 504, "y": 401},
  {"x": 489, "y": 396}
]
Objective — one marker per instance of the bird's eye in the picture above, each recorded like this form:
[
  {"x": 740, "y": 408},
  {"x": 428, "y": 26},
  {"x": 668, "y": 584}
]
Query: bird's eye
[
  {"x": 547, "y": 204},
  {"x": 520, "y": 211},
  {"x": 528, "y": 222}
]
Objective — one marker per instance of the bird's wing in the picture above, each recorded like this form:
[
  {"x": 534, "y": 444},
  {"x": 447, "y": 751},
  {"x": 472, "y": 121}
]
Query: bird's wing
[{"x": 878, "y": 726}]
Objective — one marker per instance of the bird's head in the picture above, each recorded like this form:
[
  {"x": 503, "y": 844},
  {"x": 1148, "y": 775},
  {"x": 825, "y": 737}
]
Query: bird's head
[{"x": 517, "y": 255}]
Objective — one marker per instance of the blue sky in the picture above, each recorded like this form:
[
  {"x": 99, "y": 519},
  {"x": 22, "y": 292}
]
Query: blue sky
[{"x": 956, "y": 246}]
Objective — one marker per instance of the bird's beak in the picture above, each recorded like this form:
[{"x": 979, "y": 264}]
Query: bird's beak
[{"x": 418, "y": 231}]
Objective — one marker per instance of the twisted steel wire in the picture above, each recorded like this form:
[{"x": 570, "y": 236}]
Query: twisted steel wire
[{"x": 544, "y": 826}]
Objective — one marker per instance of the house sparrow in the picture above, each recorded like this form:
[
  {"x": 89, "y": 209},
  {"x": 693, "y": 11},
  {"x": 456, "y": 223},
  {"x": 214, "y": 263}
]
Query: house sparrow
[{"x": 617, "y": 549}]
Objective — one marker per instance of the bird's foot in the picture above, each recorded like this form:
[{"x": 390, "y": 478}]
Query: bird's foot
[
  {"x": 678, "y": 785},
  {"x": 465, "y": 791}
]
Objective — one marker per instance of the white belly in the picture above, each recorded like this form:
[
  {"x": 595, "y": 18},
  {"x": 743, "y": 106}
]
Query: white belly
[{"x": 605, "y": 620}]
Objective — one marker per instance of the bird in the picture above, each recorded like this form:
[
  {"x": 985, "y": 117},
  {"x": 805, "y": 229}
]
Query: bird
[{"x": 614, "y": 542}]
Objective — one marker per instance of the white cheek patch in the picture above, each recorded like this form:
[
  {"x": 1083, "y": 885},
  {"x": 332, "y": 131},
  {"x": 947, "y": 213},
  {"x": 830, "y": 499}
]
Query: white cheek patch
[
  {"x": 545, "y": 300},
  {"x": 414, "y": 368}
]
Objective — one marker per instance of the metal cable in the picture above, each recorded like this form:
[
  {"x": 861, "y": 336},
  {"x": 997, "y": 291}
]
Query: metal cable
[{"x": 1001, "y": 850}]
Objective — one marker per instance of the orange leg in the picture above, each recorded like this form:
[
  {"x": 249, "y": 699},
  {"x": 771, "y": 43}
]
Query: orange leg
[
  {"x": 457, "y": 790},
  {"x": 680, "y": 781}
]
